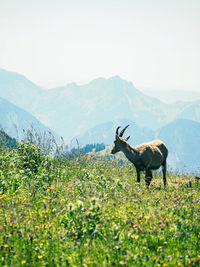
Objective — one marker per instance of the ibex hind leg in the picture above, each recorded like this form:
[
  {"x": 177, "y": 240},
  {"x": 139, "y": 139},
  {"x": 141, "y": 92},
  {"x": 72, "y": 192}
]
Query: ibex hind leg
[
  {"x": 148, "y": 177},
  {"x": 164, "y": 167},
  {"x": 138, "y": 176}
]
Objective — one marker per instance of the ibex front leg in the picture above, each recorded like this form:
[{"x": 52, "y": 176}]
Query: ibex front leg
[
  {"x": 164, "y": 172},
  {"x": 138, "y": 176}
]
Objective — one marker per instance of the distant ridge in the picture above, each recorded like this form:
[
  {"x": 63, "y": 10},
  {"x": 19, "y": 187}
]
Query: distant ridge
[
  {"x": 15, "y": 121},
  {"x": 6, "y": 140}
]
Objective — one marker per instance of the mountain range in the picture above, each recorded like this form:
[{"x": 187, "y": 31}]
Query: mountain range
[
  {"x": 67, "y": 109},
  {"x": 92, "y": 111}
]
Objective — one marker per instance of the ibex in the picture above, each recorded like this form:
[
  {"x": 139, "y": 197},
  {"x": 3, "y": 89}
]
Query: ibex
[{"x": 145, "y": 157}]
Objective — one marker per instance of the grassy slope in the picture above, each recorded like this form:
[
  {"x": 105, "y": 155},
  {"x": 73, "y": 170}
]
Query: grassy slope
[{"x": 86, "y": 212}]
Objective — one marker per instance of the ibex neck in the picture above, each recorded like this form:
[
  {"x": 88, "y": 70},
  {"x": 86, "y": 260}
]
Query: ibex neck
[{"x": 130, "y": 152}]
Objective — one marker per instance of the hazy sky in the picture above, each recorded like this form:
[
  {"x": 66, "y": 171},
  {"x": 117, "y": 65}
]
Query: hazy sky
[{"x": 153, "y": 43}]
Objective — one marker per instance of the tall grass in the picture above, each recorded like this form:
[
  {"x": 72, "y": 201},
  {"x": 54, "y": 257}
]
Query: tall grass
[{"x": 80, "y": 212}]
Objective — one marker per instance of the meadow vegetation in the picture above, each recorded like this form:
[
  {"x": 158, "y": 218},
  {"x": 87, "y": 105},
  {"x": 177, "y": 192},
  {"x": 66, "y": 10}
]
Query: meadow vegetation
[{"x": 91, "y": 212}]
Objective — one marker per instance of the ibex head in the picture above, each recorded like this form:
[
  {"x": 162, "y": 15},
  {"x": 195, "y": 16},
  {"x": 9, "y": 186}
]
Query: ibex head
[{"x": 119, "y": 141}]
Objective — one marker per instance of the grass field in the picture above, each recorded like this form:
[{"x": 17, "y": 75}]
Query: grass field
[{"x": 82, "y": 212}]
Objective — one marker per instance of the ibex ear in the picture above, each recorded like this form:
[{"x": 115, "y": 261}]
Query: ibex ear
[{"x": 126, "y": 139}]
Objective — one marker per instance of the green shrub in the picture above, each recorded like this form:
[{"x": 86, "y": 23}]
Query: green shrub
[{"x": 31, "y": 158}]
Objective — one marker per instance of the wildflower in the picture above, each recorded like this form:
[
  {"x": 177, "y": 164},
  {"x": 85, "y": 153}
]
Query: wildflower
[
  {"x": 74, "y": 247},
  {"x": 169, "y": 256},
  {"x": 3, "y": 196},
  {"x": 164, "y": 265},
  {"x": 69, "y": 247},
  {"x": 37, "y": 227},
  {"x": 85, "y": 245},
  {"x": 181, "y": 257},
  {"x": 180, "y": 264},
  {"x": 39, "y": 256},
  {"x": 161, "y": 223},
  {"x": 6, "y": 246},
  {"x": 146, "y": 217},
  {"x": 23, "y": 262},
  {"x": 147, "y": 258},
  {"x": 122, "y": 263}
]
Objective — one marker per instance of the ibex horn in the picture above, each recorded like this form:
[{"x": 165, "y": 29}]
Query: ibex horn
[
  {"x": 122, "y": 131},
  {"x": 117, "y": 130}
]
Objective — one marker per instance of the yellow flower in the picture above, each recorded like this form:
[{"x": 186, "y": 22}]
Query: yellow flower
[
  {"x": 85, "y": 245},
  {"x": 23, "y": 261},
  {"x": 69, "y": 258},
  {"x": 164, "y": 265},
  {"x": 146, "y": 217},
  {"x": 39, "y": 256},
  {"x": 154, "y": 257},
  {"x": 122, "y": 263},
  {"x": 37, "y": 227},
  {"x": 180, "y": 264},
  {"x": 6, "y": 246}
]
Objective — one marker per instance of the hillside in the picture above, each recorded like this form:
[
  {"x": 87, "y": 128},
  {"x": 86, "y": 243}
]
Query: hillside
[
  {"x": 18, "y": 90},
  {"x": 15, "y": 121},
  {"x": 182, "y": 138},
  {"x": 6, "y": 140},
  {"x": 79, "y": 212}
]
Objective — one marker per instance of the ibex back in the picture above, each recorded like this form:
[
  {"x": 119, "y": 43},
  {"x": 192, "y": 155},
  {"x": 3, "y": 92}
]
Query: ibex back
[{"x": 145, "y": 157}]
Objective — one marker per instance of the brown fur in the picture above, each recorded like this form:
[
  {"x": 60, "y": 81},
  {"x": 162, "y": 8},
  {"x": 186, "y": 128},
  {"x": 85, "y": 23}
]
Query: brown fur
[{"x": 145, "y": 157}]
